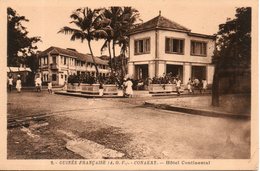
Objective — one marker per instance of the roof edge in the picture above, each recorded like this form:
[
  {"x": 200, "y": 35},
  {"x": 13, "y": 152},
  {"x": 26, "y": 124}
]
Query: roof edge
[
  {"x": 158, "y": 28},
  {"x": 202, "y": 35}
]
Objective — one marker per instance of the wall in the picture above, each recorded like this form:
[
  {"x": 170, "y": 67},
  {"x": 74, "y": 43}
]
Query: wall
[
  {"x": 142, "y": 57},
  {"x": 186, "y": 57}
]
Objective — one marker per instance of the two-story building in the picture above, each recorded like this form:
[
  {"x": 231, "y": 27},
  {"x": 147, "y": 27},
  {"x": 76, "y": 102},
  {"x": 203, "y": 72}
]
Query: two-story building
[
  {"x": 161, "y": 46},
  {"x": 56, "y": 64}
]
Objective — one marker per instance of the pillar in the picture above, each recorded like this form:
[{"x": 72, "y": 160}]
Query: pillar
[
  {"x": 131, "y": 69},
  {"x": 186, "y": 72},
  {"x": 151, "y": 69},
  {"x": 162, "y": 68},
  {"x": 210, "y": 73}
]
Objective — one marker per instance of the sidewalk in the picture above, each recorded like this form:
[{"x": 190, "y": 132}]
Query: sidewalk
[{"x": 237, "y": 106}]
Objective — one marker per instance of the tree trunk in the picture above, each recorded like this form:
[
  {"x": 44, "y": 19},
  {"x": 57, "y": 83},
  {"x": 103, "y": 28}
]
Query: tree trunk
[
  {"x": 123, "y": 64},
  {"x": 91, "y": 52},
  {"x": 215, "y": 88},
  {"x": 110, "y": 57},
  {"x": 114, "y": 54}
]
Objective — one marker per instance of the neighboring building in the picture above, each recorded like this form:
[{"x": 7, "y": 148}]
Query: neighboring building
[
  {"x": 56, "y": 64},
  {"x": 161, "y": 46},
  {"x": 22, "y": 71}
]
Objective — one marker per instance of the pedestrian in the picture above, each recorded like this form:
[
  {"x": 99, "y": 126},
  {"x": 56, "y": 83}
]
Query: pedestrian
[
  {"x": 18, "y": 84},
  {"x": 178, "y": 86},
  {"x": 38, "y": 84},
  {"x": 196, "y": 84},
  {"x": 204, "y": 85},
  {"x": 189, "y": 86},
  {"x": 129, "y": 88},
  {"x": 50, "y": 87},
  {"x": 10, "y": 83}
]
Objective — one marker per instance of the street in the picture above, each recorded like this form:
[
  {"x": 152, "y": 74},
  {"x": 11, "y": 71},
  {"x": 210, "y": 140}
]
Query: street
[{"x": 118, "y": 128}]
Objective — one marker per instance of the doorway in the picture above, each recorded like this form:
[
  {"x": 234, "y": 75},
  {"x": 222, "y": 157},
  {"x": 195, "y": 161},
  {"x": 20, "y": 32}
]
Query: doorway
[
  {"x": 198, "y": 72},
  {"x": 141, "y": 71},
  {"x": 175, "y": 70}
]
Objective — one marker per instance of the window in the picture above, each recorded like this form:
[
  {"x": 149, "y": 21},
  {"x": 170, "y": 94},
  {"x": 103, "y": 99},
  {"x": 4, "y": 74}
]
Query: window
[
  {"x": 142, "y": 46},
  {"x": 64, "y": 62},
  {"x": 54, "y": 77},
  {"x": 173, "y": 45},
  {"x": 198, "y": 48},
  {"x": 54, "y": 60}
]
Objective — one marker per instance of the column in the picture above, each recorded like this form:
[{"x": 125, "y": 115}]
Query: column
[
  {"x": 162, "y": 68},
  {"x": 131, "y": 69},
  {"x": 186, "y": 72},
  {"x": 151, "y": 69},
  {"x": 210, "y": 73}
]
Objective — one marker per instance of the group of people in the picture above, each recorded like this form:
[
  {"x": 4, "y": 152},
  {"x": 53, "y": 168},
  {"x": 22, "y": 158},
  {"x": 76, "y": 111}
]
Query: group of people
[
  {"x": 196, "y": 84},
  {"x": 38, "y": 85},
  {"x": 18, "y": 84}
]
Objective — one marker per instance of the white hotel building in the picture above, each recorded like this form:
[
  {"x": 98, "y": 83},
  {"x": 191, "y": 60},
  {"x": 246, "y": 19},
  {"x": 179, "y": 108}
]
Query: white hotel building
[
  {"x": 161, "y": 46},
  {"x": 56, "y": 64}
]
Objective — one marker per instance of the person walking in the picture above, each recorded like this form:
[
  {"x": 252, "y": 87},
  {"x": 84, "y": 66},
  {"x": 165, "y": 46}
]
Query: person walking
[
  {"x": 19, "y": 84},
  {"x": 10, "y": 83},
  {"x": 178, "y": 86},
  {"x": 129, "y": 88}
]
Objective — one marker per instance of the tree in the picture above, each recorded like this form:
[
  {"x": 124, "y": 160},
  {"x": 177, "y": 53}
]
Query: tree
[
  {"x": 122, "y": 19},
  {"x": 88, "y": 28},
  {"x": 232, "y": 55},
  {"x": 20, "y": 47}
]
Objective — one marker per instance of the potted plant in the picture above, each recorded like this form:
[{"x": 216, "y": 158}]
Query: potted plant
[
  {"x": 73, "y": 83},
  {"x": 160, "y": 85},
  {"x": 110, "y": 86},
  {"x": 89, "y": 85}
]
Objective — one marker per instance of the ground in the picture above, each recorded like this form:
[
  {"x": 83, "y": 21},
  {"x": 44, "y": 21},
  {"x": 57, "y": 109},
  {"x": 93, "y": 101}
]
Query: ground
[{"x": 117, "y": 128}]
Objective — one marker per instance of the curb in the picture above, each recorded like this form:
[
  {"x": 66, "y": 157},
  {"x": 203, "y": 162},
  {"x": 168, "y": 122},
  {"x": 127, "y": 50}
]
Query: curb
[
  {"x": 86, "y": 95},
  {"x": 193, "y": 111}
]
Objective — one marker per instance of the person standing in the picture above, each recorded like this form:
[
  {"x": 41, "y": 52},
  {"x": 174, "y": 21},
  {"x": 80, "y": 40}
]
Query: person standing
[
  {"x": 19, "y": 84},
  {"x": 129, "y": 88},
  {"x": 189, "y": 84},
  {"x": 10, "y": 83},
  {"x": 38, "y": 84},
  {"x": 178, "y": 86},
  {"x": 50, "y": 87},
  {"x": 204, "y": 85}
]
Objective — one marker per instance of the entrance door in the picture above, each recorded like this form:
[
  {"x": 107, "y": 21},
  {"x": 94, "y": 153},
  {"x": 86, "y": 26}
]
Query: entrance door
[
  {"x": 175, "y": 70},
  {"x": 141, "y": 71},
  {"x": 198, "y": 72}
]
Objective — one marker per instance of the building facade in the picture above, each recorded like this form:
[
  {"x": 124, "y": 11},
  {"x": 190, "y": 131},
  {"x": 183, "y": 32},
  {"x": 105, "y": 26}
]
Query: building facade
[
  {"x": 56, "y": 64},
  {"x": 160, "y": 46}
]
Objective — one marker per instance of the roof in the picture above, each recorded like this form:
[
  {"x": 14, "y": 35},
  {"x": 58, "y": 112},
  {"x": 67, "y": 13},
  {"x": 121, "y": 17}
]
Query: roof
[
  {"x": 18, "y": 69},
  {"x": 202, "y": 35},
  {"x": 72, "y": 53},
  {"x": 159, "y": 22}
]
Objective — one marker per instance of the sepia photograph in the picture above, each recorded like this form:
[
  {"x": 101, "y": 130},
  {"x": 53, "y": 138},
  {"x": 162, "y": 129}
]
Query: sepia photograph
[{"x": 119, "y": 85}]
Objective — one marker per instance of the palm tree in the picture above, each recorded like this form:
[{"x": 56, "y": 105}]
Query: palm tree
[
  {"x": 88, "y": 28},
  {"x": 128, "y": 19},
  {"x": 113, "y": 15},
  {"x": 122, "y": 19}
]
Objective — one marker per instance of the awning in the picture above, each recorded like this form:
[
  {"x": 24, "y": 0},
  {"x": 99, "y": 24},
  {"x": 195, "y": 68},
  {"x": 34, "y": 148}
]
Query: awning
[{"x": 18, "y": 69}]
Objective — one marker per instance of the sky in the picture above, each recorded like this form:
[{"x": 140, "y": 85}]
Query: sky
[{"x": 47, "y": 17}]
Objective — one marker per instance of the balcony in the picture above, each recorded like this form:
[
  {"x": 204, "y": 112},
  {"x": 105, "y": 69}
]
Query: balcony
[{"x": 54, "y": 66}]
